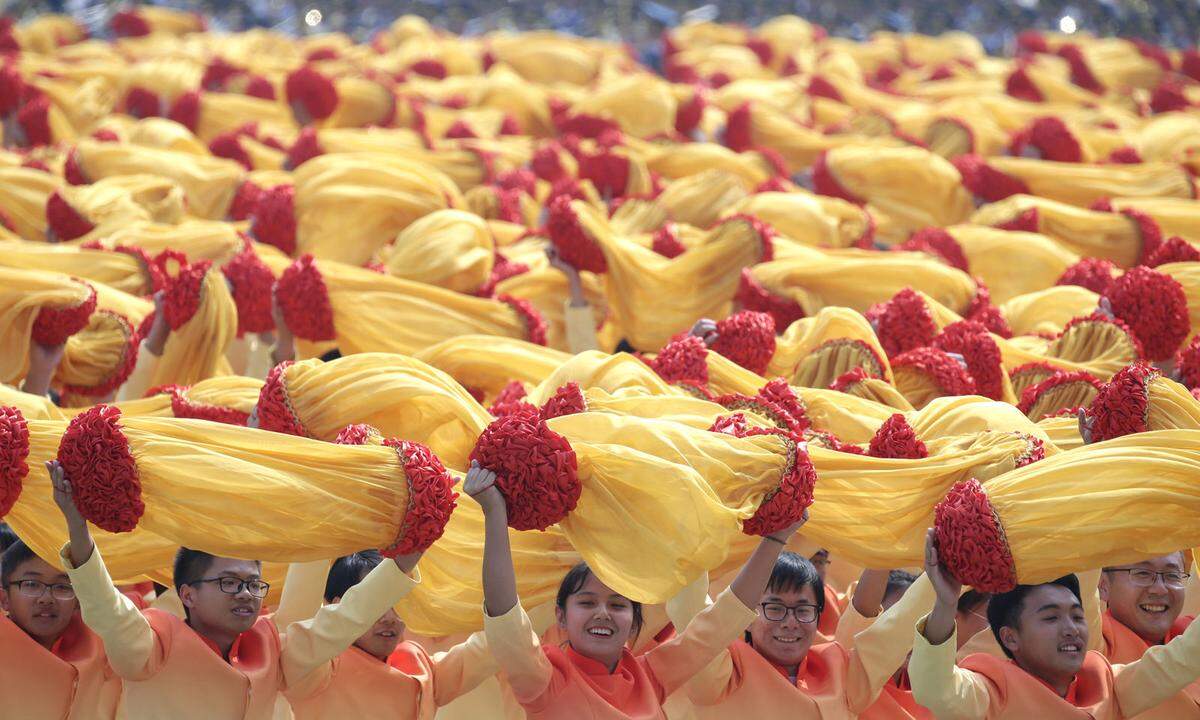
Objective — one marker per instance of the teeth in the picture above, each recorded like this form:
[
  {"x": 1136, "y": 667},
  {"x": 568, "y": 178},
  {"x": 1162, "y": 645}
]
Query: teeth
[
  {"x": 602, "y": 632},
  {"x": 1070, "y": 648},
  {"x": 1154, "y": 608},
  {"x": 787, "y": 640}
]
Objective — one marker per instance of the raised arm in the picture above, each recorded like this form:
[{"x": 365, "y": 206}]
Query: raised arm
[
  {"x": 510, "y": 634},
  {"x": 462, "y": 668},
  {"x": 948, "y": 691},
  {"x": 1160, "y": 673},
  {"x": 134, "y": 650},
  {"x": 150, "y": 350},
  {"x": 708, "y": 636},
  {"x": 577, "y": 312},
  {"x": 43, "y": 362},
  {"x": 303, "y": 592},
  {"x": 880, "y": 649}
]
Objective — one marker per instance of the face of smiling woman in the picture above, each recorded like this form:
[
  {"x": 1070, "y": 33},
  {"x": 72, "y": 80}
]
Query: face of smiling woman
[{"x": 598, "y": 621}]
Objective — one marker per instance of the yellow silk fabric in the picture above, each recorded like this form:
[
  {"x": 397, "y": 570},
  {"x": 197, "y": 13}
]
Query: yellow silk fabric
[
  {"x": 349, "y": 205},
  {"x": 487, "y": 363},
  {"x": 1074, "y": 510},
  {"x": 1048, "y": 311},
  {"x": 815, "y": 350},
  {"x": 118, "y": 200},
  {"x": 1171, "y": 406},
  {"x": 548, "y": 290},
  {"x": 117, "y": 270},
  {"x": 448, "y": 248},
  {"x": 807, "y": 218},
  {"x": 1081, "y": 185},
  {"x": 23, "y": 293},
  {"x": 23, "y": 195},
  {"x": 990, "y": 253},
  {"x": 1175, "y": 216},
  {"x": 1187, "y": 274},
  {"x": 1089, "y": 233},
  {"x": 196, "y": 350}
]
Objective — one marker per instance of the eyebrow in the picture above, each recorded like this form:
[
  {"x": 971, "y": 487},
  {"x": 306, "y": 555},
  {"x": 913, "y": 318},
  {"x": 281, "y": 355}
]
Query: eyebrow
[
  {"x": 1056, "y": 606},
  {"x": 55, "y": 579}
]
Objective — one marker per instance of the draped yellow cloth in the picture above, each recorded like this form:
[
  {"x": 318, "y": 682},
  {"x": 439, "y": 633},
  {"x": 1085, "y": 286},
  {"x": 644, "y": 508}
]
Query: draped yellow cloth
[
  {"x": 487, "y": 363},
  {"x": 807, "y": 218},
  {"x": 23, "y": 294},
  {"x": 116, "y": 201},
  {"x": 208, "y": 183},
  {"x": 448, "y": 248},
  {"x": 948, "y": 417},
  {"x": 198, "y": 239},
  {"x": 990, "y": 253},
  {"x": 548, "y": 290},
  {"x": 196, "y": 350},
  {"x": 348, "y": 205},
  {"x": 23, "y": 195},
  {"x": 1176, "y": 216},
  {"x": 815, "y": 351},
  {"x": 1082, "y": 185},
  {"x": 1187, "y": 274},
  {"x": 1048, "y": 311},
  {"x": 118, "y": 270}
]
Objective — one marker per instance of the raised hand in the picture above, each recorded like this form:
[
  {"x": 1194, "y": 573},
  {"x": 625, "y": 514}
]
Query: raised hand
[
  {"x": 939, "y": 626},
  {"x": 77, "y": 529},
  {"x": 43, "y": 363},
  {"x": 480, "y": 484},
  {"x": 786, "y": 534},
  {"x": 706, "y": 330},
  {"x": 156, "y": 338}
]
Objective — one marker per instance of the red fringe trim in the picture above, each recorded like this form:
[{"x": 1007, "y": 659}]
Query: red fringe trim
[
  {"x": 573, "y": 243},
  {"x": 1081, "y": 73},
  {"x": 229, "y": 146},
  {"x": 128, "y": 23},
  {"x": 940, "y": 244},
  {"x": 536, "y": 470},
  {"x": 567, "y": 400},
  {"x": 971, "y": 541},
  {"x": 142, "y": 103},
  {"x": 1052, "y": 138},
  {"x": 358, "y": 434},
  {"x": 779, "y": 394},
  {"x": 1022, "y": 87},
  {"x": 1125, "y": 155},
  {"x": 96, "y": 457},
  {"x": 274, "y": 218},
  {"x": 1025, "y": 221},
  {"x": 748, "y": 339},
  {"x": 825, "y": 183},
  {"x": 1095, "y": 274},
  {"x": 683, "y": 360},
  {"x": 778, "y": 415},
  {"x": 851, "y": 377},
  {"x": 274, "y": 407},
  {"x": 903, "y": 323},
  {"x": 64, "y": 220},
  {"x": 186, "y": 110},
  {"x": 766, "y": 234},
  {"x": 751, "y": 295},
  {"x": 260, "y": 87},
  {"x": 1154, "y": 306},
  {"x": 73, "y": 171},
  {"x": 1174, "y": 250},
  {"x": 689, "y": 114},
  {"x": 183, "y": 407},
  {"x": 535, "y": 324},
  {"x": 666, "y": 242},
  {"x": 784, "y": 506},
  {"x": 738, "y": 134},
  {"x": 1102, "y": 317},
  {"x": 1148, "y": 230},
  {"x": 251, "y": 281},
  {"x": 1034, "y": 392},
  {"x": 975, "y": 344},
  {"x": 1122, "y": 406},
  {"x": 304, "y": 301},
  {"x": 985, "y": 182},
  {"x": 951, "y": 377},
  {"x": 14, "y": 450},
  {"x": 306, "y": 147},
  {"x": 431, "y": 499},
  {"x": 54, "y": 325},
  {"x": 34, "y": 119},
  {"x": 897, "y": 440},
  {"x": 123, "y": 368}
]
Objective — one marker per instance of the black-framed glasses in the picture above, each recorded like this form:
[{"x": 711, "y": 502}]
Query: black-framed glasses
[
  {"x": 37, "y": 588},
  {"x": 1145, "y": 578},
  {"x": 233, "y": 586},
  {"x": 778, "y": 612}
]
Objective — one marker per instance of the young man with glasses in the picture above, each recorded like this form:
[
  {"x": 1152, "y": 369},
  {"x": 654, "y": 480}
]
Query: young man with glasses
[
  {"x": 782, "y": 670},
  {"x": 1145, "y": 600},
  {"x": 54, "y": 666},
  {"x": 224, "y": 660}
]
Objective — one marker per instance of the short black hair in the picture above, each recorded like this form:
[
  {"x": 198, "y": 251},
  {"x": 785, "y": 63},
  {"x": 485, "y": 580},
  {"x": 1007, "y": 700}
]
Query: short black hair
[
  {"x": 348, "y": 571},
  {"x": 793, "y": 573},
  {"x": 972, "y": 599},
  {"x": 899, "y": 581},
  {"x": 7, "y": 536},
  {"x": 1005, "y": 609},
  {"x": 573, "y": 582},
  {"x": 191, "y": 565},
  {"x": 13, "y": 556}
]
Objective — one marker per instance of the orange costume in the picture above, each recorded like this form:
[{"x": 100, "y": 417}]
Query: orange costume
[
  {"x": 1123, "y": 646},
  {"x": 71, "y": 680}
]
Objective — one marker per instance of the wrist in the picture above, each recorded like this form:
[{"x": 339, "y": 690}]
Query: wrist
[{"x": 773, "y": 538}]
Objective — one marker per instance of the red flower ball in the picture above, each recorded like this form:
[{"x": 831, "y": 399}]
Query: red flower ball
[
  {"x": 536, "y": 470},
  {"x": 785, "y": 506},
  {"x": 574, "y": 245},
  {"x": 274, "y": 408},
  {"x": 1095, "y": 274},
  {"x": 53, "y": 326},
  {"x": 683, "y": 360},
  {"x": 245, "y": 201},
  {"x": 251, "y": 282},
  {"x": 825, "y": 183},
  {"x": 903, "y": 323},
  {"x": 975, "y": 344},
  {"x": 896, "y": 439},
  {"x": 358, "y": 434},
  {"x": 567, "y": 400},
  {"x": 986, "y": 182},
  {"x": 1027, "y": 220},
  {"x": 274, "y": 218},
  {"x": 748, "y": 339},
  {"x": 510, "y": 400},
  {"x": 96, "y": 458},
  {"x": 14, "y": 449},
  {"x": 666, "y": 242},
  {"x": 751, "y": 295},
  {"x": 1122, "y": 405},
  {"x": 946, "y": 372},
  {"x": 1154, "y": 306},
  {"x": 431, "y": 498},
  {"x": 1174, "y": 250},
  {"x": 312, "y": 92},
  {"x": 970, "y": 539},
  {"x": 181, "y": 294},
  {"x": 1187, "y": 361},
  {"x": 304, "y": 301},
  {"x": 939, "y": 243},
  {"x": 64, "y": 220}
]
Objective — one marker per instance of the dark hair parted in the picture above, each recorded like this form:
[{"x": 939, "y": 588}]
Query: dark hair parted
[
  {"x": 1005, "y": 609},
  {"x": 191, "y": 565},
  {"x": 793, "y": 573},
  {"x": 13, "y": 556},
  {"x": 348, "y": 571}
]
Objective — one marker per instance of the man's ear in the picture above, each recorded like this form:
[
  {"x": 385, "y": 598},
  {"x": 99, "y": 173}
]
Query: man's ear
[
  {"x": 1103, "y": 587},
  {"x": 4, "y": 599},
  {"x": 187, "y": 596},
  {"x": 1009, "y": 639}
]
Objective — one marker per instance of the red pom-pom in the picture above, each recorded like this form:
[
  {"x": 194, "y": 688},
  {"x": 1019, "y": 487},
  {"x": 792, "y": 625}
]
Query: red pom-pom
[
  {"x": 751, "y": 295},
  {"x": 547, "y": 164},
  {"x": 780, "y": 395},
  {"x": 510, "y": 400},
  {"x": 586, "y": 126},
  {"x": 274, "y": 219},
  {"x": 1148, "y": 231},
  {"x": 1095, "y": 274},
  {"x": 946, "y": 372},
  {"x": 274, "y": 408},
  {"x": 1187, "y": 363},
  {"x": 502, "y": 269},
  {"x": 12, "y": 89},
  {"x": 608, "y": 171},
  {"x": 1032, "y": 41},
  {"x": 260, "y": 87},
  {"x": 306, "y": 147},
  {"x": 761, "y": 48},
  {"x": 1189, "y": 63},
  {"x": 1123, "y": 404},
  {"x": 1154, "y": 306},
  {"x": 1022, "y": 87},
  {"x": 784, "y": 506},
  {"x": 186, "y": 110},
  {"x": 181, "y": 296},
  {"x": 766, "y": 234},
  {"x": 143, "y": 103},
  {"x": 129, "y": 23},
  {"x": 218, "y": 73},
  {"x": 848, "y": 378},
  {"x": 683, "y": 360},
  {"x": 245, "y": 201},
  {"x": 1125, "y": 155},
  {"x": 573, "y": 243},
  {"x": 229, "y": 145},
  {"x": 689, "y": 114},
  {"x": 1174, "y": 250},
  {"x": 183, "y": 407},
  {"x": 96, "y": 458},
  {"x": 358, "y": 434},
  {"x": 535, "y": 324},
  {"x": 1027, "y": 220},
  {"x": 825, "y": 183},
  {"x": 779, "y": 416},
  {"x": 903, "y": 323},
  {"x": 428, "y": 67},
  {"x": 1081, "y": 72},
  {"x": 992, "y": 319},
  {"x": 986, "y": 182},
  {"x": 738, "y": 135},
  {"x": 34, "y": 119},
  {"x": 536, "y": 469},
  {"x": 14, "y": 449},
  {"x": 54, "y": 325},
  {"x": 73, "y": 171},
  {"x": 64, "y": 220},
  {"x": 666, "y": 242},
  {"x": 567, "y": 400},
  {"x": 939, "y": 243},
  {"x": 251, "y": 282},
  {"x": 820, "y": 87},
  {"x": 896, "y": 439},
  {"x": 1052, "y": 138},
  {"x": 461, "y": 129},
  {"x": 304, "y": 301},
  {"x": 1169, "y": 97},
  {"x": 982, "y": 354},
  {"x": 431, "y": 498},
  {"x": 1061, "y": 378},
  {"x": 748, "y": 339},
  {"x": 311, "y": 92},
  {"x": 970, "y": 539}
]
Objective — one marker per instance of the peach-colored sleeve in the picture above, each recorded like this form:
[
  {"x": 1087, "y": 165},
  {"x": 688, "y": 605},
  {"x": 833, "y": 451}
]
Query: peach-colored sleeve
[
  {"x": 516, "y": 648},
  {"x": 580, "y": 327},
  {"x": 135, "y": 651},
  {"x": 1160, "y": 673},
  {"x": 138, "y": 382},
  {"x": 303, "y": 593},
  {"x": 948, "y": 691},
  {"x": 705, "y": 638},
  {"x": 880, "y": 650},
  {"x": 462, "y": 668},
  {"x": 716, "y": 679},
  {"x": 1089, "y": 588}
]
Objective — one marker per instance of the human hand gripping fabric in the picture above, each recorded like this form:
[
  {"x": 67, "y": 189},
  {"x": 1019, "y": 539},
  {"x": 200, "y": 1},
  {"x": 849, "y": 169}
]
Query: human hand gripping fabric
[
  {"x": 940, "y": 624},
  {"x": 706, "y": 330},
  {"x": 499, "y": 577},
  {"x": 43, "y": 363},
  {"x": 82, "y": 544}
]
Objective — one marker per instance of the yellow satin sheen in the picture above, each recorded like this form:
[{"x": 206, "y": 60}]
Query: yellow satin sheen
[
  {"x": 23, "y": 195},
  {"x": 23, "y": 293},
  {"x": 121, "y": 271},
  {"x": 1048, "y": 311},
  {"x": 990, "y": 253},
  {"x": 1089, "y": 233},
  {"x": 196, "y": 350},
  {"x": 1081, "y": 185},
  {"x": 815, "y": 351},
  {"x": 448, "y": 248},
  {"x": 487, "y": 363}
]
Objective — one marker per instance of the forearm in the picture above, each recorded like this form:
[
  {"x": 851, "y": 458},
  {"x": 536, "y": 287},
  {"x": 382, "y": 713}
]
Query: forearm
[
  {"x": 869, "y": 593},
  {"x": 749, "y": 584},
  {"x": 499, "y": 578},
  {"x": 940, "y": 626},
  {"x": 879, "y": 650},
  {"x": 947, "y": 691},
  {"x": 129, "y": 642},
  {"x": 1160, "y": 673},
  {"x": 303, "y": 592},
  {"x": 143, "y": 370}
]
